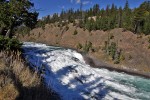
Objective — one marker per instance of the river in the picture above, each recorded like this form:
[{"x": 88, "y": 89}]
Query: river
[{"x": 65, "y": 71}]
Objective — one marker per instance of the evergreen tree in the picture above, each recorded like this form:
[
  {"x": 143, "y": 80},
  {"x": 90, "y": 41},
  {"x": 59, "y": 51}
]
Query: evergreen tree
[
  {"x": 127, "y": 17},
  {"x": 141, "y": 19},
  {"x": 126, "y": 7},
  {"x": 13, "y": 13},
  {"x": 113, "y": 9},
  {"x": 96, "y": 10},
  {"x": 146, "y": 29},
  {"x": 107, "y": 10},
  {"x": 120, "y": 17},
  {"x": 140, "y": 16}
]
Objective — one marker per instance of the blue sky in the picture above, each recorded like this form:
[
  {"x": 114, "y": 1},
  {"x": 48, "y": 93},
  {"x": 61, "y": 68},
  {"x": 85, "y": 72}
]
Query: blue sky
[{"x": 48, "y": 7}]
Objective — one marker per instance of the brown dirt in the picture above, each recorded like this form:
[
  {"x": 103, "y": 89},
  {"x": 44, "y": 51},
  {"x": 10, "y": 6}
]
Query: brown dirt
[{"x": 134, "y": 47}]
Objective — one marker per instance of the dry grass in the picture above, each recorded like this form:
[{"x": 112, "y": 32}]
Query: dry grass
[
  {"x": 8, "y": 92},
  {"x": 18, "y": 82}
]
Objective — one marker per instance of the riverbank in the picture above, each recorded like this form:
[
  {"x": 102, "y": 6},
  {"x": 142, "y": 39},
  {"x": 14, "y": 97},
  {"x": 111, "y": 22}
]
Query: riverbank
[
  {"x": 134, "y": 55},
  {"x": 93, "y": 62}
]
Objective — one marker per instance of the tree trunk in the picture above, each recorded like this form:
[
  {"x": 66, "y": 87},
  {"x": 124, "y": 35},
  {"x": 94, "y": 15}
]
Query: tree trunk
[
  {"x": 8, "y": 34},
  {"x": 136, "y": 27}
]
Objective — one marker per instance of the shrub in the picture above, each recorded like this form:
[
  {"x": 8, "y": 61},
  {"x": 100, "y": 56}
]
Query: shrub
[
  {"x": 59, "y": 25},
  {"x": 67, "y": 28},
  {"x": 64, "y": 23},
  {"x": 122, "y": 57},
  {"x": 149, "y": 47},
  {"x": 39, "y": 34},
  {"x": 105, "y": 46},
  {"x": 112, "y": 50},
  {"x": 116, "y": 62},
  {"x": 148, "y": 39},
  {"x": 93, "y": 50},
  {"x": 117, "y": 58},
  {"x": 74, "y": 23},
  {"x": 79, "y": 46},
  {"x": 43, "y": 27},
  {"x": 87, "y": 46},
  {"x": 111, "y": 36},
  {"x": 56, "y": 35},
  {"x": 130, "y": 57},
  {"x": 9, "y": 44},
  {"x": 75, "y": 32}
]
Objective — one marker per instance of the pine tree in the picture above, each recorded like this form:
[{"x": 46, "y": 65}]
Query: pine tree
[
  {"x": 96, "y": 10},
  {"x": 107, "y": 10},
  {"x": 126, "y": 7},
  {"x": 13, "y": 13},
  {"x": 127, "y": 15},
  {"x": 146, "y": 29},
  {"x": 120, "y": 17},
  {"x": 142, "y": 18}
]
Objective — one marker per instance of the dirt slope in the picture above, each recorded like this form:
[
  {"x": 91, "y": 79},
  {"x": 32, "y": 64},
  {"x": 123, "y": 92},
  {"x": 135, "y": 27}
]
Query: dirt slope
[{"x": 134, "y": 47}]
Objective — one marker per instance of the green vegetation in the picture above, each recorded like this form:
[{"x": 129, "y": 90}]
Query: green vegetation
[
  {"x": 148, "y": 39},
  {"x": 9, "y": 44},
  {"x": 149, "y": 46},
  {"x": 87, "y": 46},
  {"x": 79, "y": 46},
  {"x": 96, "y": 18},
  {"x": 149, "y": 42},
  {"x": 75, "y": 32},
  {"x": 130, "y": 57},
  {"x": 115, "y": 53},
  {"x": 122, "y": 57},
  {"x": 16, "y": 16},
  {"x": 112, "y": 50},
  {"x": 14, "y": 13},
  {"x": 17, "y": 80},
  {"x": 111, "y": 36},
  {"x": 67, "y": 28}
]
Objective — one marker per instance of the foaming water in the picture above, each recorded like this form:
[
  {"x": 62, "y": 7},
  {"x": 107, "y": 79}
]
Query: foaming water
[{"x": 65, "y": 71}]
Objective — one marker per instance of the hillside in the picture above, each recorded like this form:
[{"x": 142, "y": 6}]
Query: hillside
[{"x": 134, "y": 48}]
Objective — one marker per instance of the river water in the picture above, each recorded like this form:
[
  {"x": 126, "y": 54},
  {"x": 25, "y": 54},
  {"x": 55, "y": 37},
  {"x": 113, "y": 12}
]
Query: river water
[{"x": 65, "y": 71}]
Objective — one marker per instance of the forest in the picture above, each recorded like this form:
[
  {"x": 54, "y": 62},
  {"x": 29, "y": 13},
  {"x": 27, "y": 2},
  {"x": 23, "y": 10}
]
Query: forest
[{"x": 136, "y": 20}]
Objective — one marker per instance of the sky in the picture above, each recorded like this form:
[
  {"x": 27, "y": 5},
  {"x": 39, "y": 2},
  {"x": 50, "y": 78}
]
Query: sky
[{"x": 49, "y": 7}]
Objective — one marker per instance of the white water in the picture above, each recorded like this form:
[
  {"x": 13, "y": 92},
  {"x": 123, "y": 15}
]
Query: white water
[{"x": 66, "y": 72}]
